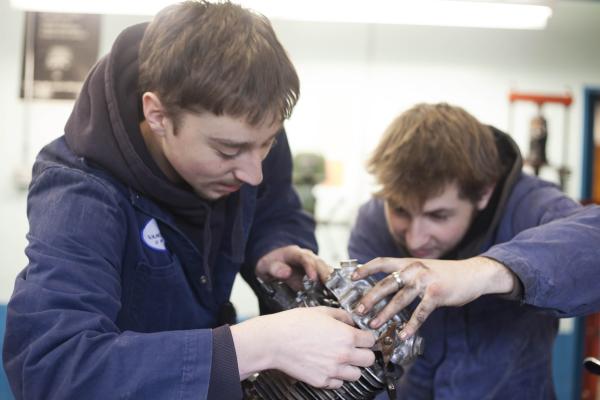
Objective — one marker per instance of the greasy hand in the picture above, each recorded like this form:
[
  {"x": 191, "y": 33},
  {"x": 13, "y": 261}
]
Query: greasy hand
[
  {"x": 436, "y": 282},
  {"x": 289, "y": 264},
  {"x": 318, "y": 346}
]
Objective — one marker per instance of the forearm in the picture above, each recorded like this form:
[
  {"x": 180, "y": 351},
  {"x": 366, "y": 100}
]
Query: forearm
[
  {"x": 557, "y": 263},
  {"x": 254, "y": 353},
  {"x": 497, "y": 278}
]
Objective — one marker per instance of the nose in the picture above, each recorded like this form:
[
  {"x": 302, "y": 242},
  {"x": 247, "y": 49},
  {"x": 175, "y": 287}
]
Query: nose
[
  {"x": 249, "y": 169},
  {"x": 416, "y": 234}
]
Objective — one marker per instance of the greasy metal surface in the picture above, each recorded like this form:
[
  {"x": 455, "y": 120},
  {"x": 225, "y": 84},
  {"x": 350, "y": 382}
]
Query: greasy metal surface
[{"x": 339, "y": 291}]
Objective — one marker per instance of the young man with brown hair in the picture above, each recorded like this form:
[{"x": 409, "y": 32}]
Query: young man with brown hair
[
  {"x": 451, "y": 189},
  {"x": 174, "y": 174}
]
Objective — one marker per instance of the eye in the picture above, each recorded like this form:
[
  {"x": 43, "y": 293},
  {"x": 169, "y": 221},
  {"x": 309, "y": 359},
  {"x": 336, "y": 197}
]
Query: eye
[
  {"x": 439, "y": 217},
  {"x": 228, "y": 156},
  {"x": 399, "y": 211}
]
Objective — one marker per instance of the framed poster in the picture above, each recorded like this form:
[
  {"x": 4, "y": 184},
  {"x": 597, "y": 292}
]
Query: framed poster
[{"x": 59, "y": 50}]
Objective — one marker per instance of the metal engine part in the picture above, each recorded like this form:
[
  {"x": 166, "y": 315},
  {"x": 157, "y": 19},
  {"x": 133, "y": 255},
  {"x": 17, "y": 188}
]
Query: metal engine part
[{"x": 339, "y": 291}]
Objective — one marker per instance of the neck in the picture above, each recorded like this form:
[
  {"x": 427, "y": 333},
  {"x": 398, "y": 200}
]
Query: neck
[{"x": 154, "y": 147}]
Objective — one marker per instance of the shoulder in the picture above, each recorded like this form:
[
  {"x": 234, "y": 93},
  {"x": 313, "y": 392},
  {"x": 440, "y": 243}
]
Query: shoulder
[
  {"x": 77, "y": 213},
  {"x": 371, "y": 211},
  {"x": 59, "y": 194},
  {"x": 67, "y": 195},
  {"x": 57, "y": 170},
  {"x": 532, "y": 202},
  {"x": 530, "y": 191},
  {"x": 527, "y": 184}
]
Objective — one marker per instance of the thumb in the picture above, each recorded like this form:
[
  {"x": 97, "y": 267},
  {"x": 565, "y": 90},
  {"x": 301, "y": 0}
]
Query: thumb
[
  {"x": 339, "y": 314},
  {"x": 279, "y": 270}
]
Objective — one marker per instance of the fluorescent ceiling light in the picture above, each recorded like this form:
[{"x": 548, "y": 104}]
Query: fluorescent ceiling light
[
  {"x": 123, "y": 7},
  {"x": 481, "y": 14},
  {"x": 532, "y": 14}
]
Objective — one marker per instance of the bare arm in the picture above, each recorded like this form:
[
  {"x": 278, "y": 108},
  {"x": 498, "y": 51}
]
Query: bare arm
[{"x": 315, "y": 345}]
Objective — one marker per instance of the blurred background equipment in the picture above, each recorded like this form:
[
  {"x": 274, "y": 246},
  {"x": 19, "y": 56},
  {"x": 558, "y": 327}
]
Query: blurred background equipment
[
  {"x": 538, "y": 132},
  {"x": 592, "y": 365},
  {"x": 309, "y": 170},
  {"x": 538, "y": 136}
]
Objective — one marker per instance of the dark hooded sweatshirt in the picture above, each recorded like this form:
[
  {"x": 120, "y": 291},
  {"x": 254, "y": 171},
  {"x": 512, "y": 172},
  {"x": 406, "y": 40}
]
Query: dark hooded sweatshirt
[
  {"x": 492, "y": 348},
  {"x": 128, "y": 272}
]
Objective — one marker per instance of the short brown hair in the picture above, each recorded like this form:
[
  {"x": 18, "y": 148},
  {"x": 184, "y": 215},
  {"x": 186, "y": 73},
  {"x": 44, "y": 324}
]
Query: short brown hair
[
  {"x": 430, "y": 146},
  {"x": 220, "y": 58}
]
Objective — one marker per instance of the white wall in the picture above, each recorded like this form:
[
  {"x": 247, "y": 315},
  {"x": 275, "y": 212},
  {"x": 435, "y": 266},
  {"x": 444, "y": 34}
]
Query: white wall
[{"x": 355, "y": 79}]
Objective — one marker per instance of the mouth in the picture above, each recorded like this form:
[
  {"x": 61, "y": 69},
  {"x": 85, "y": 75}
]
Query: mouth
[
  {"x": 228, "y": 188},
  {"x": 420, "y": 253}
]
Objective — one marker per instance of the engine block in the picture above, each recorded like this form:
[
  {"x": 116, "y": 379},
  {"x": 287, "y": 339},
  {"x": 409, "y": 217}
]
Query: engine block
[{"x": 339, "y": 291}]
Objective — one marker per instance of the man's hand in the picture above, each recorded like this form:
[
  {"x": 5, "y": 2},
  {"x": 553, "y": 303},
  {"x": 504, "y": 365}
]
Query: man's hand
[
  {"x": 316, "y": 345},
  {"x": 436, "y": 282},
  {"x": 289, "y": 264}
]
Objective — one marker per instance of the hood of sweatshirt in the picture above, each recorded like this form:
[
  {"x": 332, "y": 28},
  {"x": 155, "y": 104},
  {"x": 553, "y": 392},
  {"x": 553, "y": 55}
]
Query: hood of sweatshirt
[{"x": 485, "y": 223}]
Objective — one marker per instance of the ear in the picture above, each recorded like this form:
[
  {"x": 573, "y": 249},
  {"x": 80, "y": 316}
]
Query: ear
[
  {"x": 154, "y": 113},
  {"x": 485, "y": 197}
]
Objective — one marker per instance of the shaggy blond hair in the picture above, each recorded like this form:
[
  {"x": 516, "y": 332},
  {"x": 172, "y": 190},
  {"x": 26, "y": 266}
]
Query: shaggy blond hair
[{"x": 430, "y": 146}]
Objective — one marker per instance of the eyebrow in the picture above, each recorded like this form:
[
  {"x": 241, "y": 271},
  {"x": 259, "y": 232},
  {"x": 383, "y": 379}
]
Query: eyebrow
[
  {"x": 241, "y": 145},
  {"x": 439, "y": 210}
]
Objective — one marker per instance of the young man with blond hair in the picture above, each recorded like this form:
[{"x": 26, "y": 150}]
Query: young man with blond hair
[
  {"x": 174, "y": 174},
  {"x": 452, "y": 189}
]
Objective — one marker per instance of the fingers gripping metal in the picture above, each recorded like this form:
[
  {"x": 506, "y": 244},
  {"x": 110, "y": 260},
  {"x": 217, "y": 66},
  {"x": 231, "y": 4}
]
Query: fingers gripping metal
[{"x": 339, "y": 291}]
